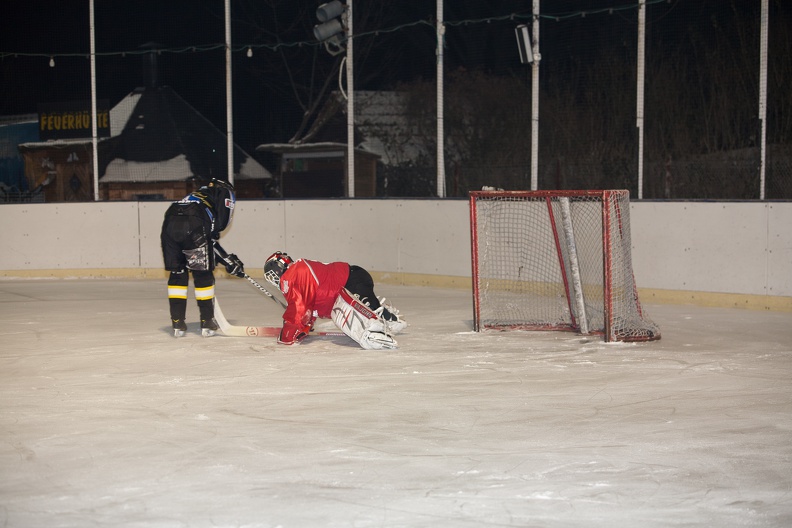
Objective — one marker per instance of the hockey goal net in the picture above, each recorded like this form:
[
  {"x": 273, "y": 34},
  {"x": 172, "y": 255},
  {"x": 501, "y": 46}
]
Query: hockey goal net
[{"x": 556, "y": 260}]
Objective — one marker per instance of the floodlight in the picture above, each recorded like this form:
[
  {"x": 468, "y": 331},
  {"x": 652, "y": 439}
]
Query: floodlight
[
  {"x": 329, "y": 10},
  {"x": 328, "y": 29},
  {"x": 524, "y": 43}
]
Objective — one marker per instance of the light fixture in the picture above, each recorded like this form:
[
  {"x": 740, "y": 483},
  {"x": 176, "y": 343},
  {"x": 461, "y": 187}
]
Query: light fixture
[
  {"x": 524, "y": 44},
  {"x": 332, "y": 16}
]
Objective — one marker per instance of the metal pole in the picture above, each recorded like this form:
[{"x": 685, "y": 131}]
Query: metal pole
[
  {"x": 639, "y": 112},
  {"x": 350, "y": 106},
  {"x": 763, "y": 97},
  {"x": 229, "y": 95},
  {"x": 440, "y": 103},
  {"x": 535, "y": 100},
  {"x": 94, "y": 127}
]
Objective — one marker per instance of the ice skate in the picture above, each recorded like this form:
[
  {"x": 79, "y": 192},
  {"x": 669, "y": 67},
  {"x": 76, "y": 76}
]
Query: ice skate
[
  {"x": 209, "y": 327},
  {"x": 393, "y": 321},
  {"x": 179, "y": 328}
]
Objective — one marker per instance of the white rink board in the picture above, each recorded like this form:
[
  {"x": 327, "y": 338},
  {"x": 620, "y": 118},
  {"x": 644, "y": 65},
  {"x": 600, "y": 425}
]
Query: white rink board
[
  {"x": 151, "y": 214},
  {"x": 419, "y": 236},
  {"x": 779, "y": 249},
  {"x": 726, "y": 247},
  {"x": 69, "y": 236},
  {"x": 720, "y": 247}
]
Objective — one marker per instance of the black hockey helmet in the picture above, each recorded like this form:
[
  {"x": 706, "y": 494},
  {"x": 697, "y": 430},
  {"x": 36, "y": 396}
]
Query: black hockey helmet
[
  {"x": 274, "y": 267},
  {"x": 221, "y": 193}
]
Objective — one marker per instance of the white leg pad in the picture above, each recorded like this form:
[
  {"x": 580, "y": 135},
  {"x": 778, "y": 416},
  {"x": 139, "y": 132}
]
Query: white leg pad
[
  {"x": 377, "y": 341},
  {"x": 360, "y": 323}
]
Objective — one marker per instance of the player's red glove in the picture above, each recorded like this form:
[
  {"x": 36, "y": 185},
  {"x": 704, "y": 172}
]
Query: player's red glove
[{"x": 290, "y": 335}]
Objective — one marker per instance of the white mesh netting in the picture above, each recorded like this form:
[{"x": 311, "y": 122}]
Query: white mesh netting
[{"x": 556, "y": 260}]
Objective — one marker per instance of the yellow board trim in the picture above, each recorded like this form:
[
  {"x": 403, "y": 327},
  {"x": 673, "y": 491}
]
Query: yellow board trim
[{"x": 647, "y": 295}]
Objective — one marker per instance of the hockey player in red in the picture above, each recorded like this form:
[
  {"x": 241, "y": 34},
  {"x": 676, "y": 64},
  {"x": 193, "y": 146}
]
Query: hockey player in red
[
  {"x": 189, "y": 242},
  {"x": 337, "y": 291}
]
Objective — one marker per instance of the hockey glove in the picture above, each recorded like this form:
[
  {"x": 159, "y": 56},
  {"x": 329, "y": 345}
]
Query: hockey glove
[
  {"x": 234, "y": 266},
  {"x": 290, "y": 336}
]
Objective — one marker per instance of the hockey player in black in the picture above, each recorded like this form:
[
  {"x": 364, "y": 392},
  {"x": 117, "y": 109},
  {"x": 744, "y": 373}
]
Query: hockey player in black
[{"x": 189, "y": 242}]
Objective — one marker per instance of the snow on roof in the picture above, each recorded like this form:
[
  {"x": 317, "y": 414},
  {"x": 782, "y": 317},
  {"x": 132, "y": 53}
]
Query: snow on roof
[
  {"x": 58, "y": 143},
  {"x": 119, "y": 114},
  {"x": 318, "y": 147},
  {"x": 252, "y": 170},
  {"x": 18, "y": 119},
  {"x": 174, "y": 169},
  {"x": 120, "y": 170}
]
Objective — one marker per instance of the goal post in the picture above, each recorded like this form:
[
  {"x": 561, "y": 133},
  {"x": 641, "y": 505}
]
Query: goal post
[{"x": 556, "y": 260}]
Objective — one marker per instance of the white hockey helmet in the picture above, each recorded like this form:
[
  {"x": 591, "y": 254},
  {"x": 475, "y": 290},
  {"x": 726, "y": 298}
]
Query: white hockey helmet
[{"x": 274, "y": 267}]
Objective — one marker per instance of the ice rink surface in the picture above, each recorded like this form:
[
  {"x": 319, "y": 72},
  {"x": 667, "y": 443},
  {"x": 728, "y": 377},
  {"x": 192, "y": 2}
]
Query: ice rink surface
[{"x": 107, "y": 420}]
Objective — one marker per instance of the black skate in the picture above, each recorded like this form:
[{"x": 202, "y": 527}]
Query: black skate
[
  {"x": 209, "y": 327},
  {"x": 179, "y": 327}
]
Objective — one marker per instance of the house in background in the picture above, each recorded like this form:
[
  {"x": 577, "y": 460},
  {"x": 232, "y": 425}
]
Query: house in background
[
  {"x": 158, "y": 148},
  {"x": 164, "y": 145},
  {"x": 152, "y": 145},
  {"x": 318, "y": 170},
  {"x": 383, "y": 138}
]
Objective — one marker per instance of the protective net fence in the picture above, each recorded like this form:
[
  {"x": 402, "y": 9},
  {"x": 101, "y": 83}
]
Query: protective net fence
[{"x": 176, "y": 105}]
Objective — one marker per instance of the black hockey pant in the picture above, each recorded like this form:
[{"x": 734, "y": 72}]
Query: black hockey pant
[{"x": 361, "y": 284}]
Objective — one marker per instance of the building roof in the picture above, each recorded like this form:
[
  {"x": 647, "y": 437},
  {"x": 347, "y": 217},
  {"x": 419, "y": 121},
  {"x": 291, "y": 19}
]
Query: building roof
[{"x": 157, "y": 136}]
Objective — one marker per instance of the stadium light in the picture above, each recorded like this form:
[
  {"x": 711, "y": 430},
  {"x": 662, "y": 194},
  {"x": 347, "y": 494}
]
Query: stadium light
[
  {"x": 524, "y": 44},
  {"x": 333, "y": 26}
]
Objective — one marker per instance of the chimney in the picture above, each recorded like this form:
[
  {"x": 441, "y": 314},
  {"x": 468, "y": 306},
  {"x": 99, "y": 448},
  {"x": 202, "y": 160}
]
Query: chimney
[{"x": 151, "y": 64}]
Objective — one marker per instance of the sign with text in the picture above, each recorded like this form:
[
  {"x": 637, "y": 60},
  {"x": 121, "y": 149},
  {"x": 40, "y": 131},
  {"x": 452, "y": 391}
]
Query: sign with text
[{"x": 72, "y": 120}]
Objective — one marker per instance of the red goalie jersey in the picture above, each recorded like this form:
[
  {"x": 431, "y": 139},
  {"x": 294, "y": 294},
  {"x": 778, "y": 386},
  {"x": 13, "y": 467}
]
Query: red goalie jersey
[{"x": 310, "y": 288}]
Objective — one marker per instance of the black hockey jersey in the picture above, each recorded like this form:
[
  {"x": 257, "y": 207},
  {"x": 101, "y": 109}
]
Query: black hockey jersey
[{"x": 217, "y": 199}]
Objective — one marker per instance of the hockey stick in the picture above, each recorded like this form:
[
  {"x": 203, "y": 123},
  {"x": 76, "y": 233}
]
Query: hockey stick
[
  {"x": 223, "y": 254},
  {"x": 263, "y": 290},
  {"x": 253, "y": 331}
]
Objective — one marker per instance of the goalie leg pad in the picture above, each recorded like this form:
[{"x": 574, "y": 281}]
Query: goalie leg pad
[
  {"x": 360, "y": 323},
  {"x": 377, "y": 341}
]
